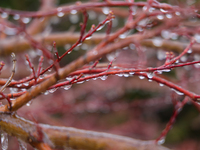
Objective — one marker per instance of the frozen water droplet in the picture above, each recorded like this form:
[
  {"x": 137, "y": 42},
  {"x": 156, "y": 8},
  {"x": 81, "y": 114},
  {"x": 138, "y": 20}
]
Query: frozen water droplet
[
  {"x": 161, "y": 141},
  {"x": 161, "y": 84},
  {"x": 60, "y": 14},
  {"x": 52, "y": 90},
  {"x": 160, "y": 17},
  {"x": 169, "y": 16},
  {"x": 4, "y": 141},
  {"x": 150, "y": 75},
  {"x": 177, "y": 92},
  {"x": 141, "y": 77},
  {"x": 26, "y": 20},
  {"x": 22, "y": 145},
  {"x": 73, "y": 11},
  {"x": 67, "y": 87},
  {"x": 16, "y": 17},
  {"x": 104, "y": 77},
  {"x": 4, "y": 15},
  {"x": 157, "y": 42},
  {"x": 105, "y": 10},
  {"x": 197, "y": 37},
  {"x": 189, "y": 51}
]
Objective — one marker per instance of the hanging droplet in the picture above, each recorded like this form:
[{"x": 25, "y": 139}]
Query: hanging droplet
[
  {"x": 104, "y": 77},
  {"x": 131, "y": 73},
  {"x": 26, "y": 83},
  {"x": 162, "y": 10},
  {"x": 26, "y": 20},
  {"x": 4, "y": 141},
  {"x": 73, "y": 11},
  {"x": 119, "y": 75},
  {"x": 183, "y": 58},
  {"x": 29, "y": 103},
  {"x": 67, "y": 87},
  {"x": 166, "y": 70},
  {"x": 84, "y": 46},
  {"x": 4, "y": 15},
  {"x": 88, "y": 38},
  {"x": 46, "y": 92},
  {"x": 74, "y": 18},
  {"x": 132, "y": 46},
  {"x": 189, "y": 51},
  {"x": 52, "y": 90},
  {"x": 174, "y": 36},
  {"x": 22, "y": 145},
  {"x": 178, "y": 13},
  {"x": 177, "y": 92},
  {"x": 16, "y": 17},
  {"x": 141, "y": 77},
  {"x": 94, "y": 78},
  {"x": 161, "y": 54},
  {"x": 79, "y": 44},
  {"x": 165, "y": 34},
  {"x": 19, "y": 85},
  {"x": 150, "y": 80},
  {"x": 101, "y": 27},
  {"x": 197, "y": 37},
  {"x": 60, "y": 14},
  {"x": 169, "y": 16},
  {"x": 150, "y": 75},
  {"x": 161, "y": 141},
  {"x": 161, "y": 84},
  {"x": 80, "y": 82},
  {"x": 126, "y": 75}
]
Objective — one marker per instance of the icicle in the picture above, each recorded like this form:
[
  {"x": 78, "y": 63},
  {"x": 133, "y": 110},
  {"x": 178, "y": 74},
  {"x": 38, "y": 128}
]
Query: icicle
[{"x": 4, "y": 141}]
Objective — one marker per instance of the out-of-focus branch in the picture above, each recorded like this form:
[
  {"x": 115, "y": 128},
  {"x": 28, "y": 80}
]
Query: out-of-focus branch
[{"x": 63, "y": 137}]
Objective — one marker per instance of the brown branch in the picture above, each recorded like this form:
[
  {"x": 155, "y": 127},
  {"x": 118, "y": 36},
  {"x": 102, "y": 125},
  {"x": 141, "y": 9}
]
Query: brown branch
[{"x": 63, "y": 137}]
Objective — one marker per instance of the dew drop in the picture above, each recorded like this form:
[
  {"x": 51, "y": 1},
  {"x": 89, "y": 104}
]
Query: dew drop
[
  {"x": 16, "y": 17},
  {"x": 161, "y": 141},
  {"x": 67, "y": 87},
  {"x": 104, "y": 77},
  {"x": 26, "y": 20},
  {"x": 141, "y": 77},
  {"x": 4, "y": 141},
  {"x": 105, "y": 10},
  {"x": 60, "y": 14},
  {"x": 22, "y": 145},
  {"x": 74, "y": 18}
]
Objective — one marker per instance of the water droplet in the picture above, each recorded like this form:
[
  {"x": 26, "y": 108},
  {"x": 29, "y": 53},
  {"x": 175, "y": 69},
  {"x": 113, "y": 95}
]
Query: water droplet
[
  {"x": 177, "y": 92},
  {"x": 132, "y": 46},
  {"x": 169, "y": 16},
  {"x": 74, "y": 18},
  {"x": 19, "y": 85},
  {"x": 105, "y": 10},
  {"x": 69, "y": 78},
  {"x": 161, "y": 141},
  {"x": 124, "y": 35},
  {"x": 84, "y": 46},
  {"x": 160, "y": 17},
  {"x": 161, "y": 84},
  {"x": 67, "y": 87},
  {"x": 4, "y": 141},
  {"x": 183, "y": 58},
  {"x": 22, "y": 145},
  {"x": 119, "y": 75},
  {"x": 141, "y": 77},
  {"x": 101, "y": 27},
  {"x": 174, "y": 36},
  {"x": 197, "y": 65},
  {"x": 92, "y": 15},
  {"x": 162, "y": 10},
  {"x": 150, "y": 80},
  {"x": 126, "y": 75},
  {"x": 189, "y": 51},
  {"x": 178, "y": 13},
  {"x": 16, "y": 17},
  {"x": 160, "y": 54},
  {"x": 144, "y": 8},
  {"x": 89, "y": 37},
  {"x": 197, "y": 37},
  {"x": 94, "y": 78},
  {"x": 4, "y": 15},
  {"x": 80, "y": 82},
  {"x": 131, "y": 73},
  {"x": 104, "y": 77},
  {"x": 10, "y": 31},
  {"x": 46, "y": 92},
  {"x": 52, "y": 90},
  {"x": 143, "y": 22},
  {"x": 73, "y": 11},
  {"x": 157, "y": 42},
  {"x": 165, "y": 34},
  {"x": 60, "y": 14},
  {"x": 151, "y": 9},
  {"x": 13, "y": 90},
  {"x": 59, "y": 9},
  {"x": 69, "y": 52},
  {"x": 166, "y": 70},
  {"x": 26, "y": 20},
  {"x": 29, "y": 103},
  {"x": 150, "y": 75},
  {"x": 95, "y": 52},
  {"x": 110, "y": 56}
]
